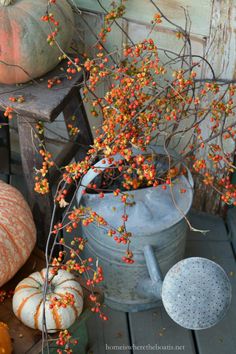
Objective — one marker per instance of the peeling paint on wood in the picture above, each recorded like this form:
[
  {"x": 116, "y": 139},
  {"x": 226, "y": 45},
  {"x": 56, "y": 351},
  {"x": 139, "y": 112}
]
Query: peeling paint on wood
[
  {"x": 213, "y": 32},
  {"x": 221, "y": 43},
  {"x": 220, "y": 52},
  {"x": 143, "y": 10}
]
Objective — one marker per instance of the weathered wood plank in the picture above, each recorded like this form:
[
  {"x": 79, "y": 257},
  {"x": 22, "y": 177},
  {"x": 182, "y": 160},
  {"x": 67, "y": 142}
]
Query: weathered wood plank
[
  {"x": 41, "y": 205},
  {"x": 231, "y": 224},
  {"x": 220, "y": 52},
  {"x": 4, "y": 160},
  {"x": 19, "y": 183},
  {"x": 84, "y": 138},
  {"x": 107, "y": 337},
  {"x": 204, "y": 221},
  {"x": 221, "y": 44},
  {"x": 4, "y": 178},
  {"x": 16, "y": 166},
  {"x": 209, "y": 249},
  {"x": 143, "y": 11},
  {"x": 165, "y": 39},
  {"x": 40, "y": 102},
  {"x": 5, "y": 154},
  {"x": 154, "y": 331}
]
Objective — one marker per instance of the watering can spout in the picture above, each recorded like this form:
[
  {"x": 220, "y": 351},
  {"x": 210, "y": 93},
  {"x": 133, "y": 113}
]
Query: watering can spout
[{"x": 153, "y": 285}]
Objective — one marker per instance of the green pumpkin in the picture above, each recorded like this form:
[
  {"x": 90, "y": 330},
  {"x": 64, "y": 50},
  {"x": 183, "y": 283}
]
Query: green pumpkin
[{"x": 24, "y": 51}]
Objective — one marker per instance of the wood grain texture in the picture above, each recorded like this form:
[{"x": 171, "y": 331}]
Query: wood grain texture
[
  {"x": 154, "y": 328},
  {"x": 41, "y": 205},
  {"x": 143, "y": 11},
  {"x": 5, "y": 154},
  {"x": 107, "y": 337},
  {"x": 220, "y": 52},
  {"x": 221, "y": 44},
  {"x": 84, "y": 138},
  {"x": 204, "y": 221},
  {"x": 231, "y": 223},
  {"x": 40, "y": 102},
  {"x": 18, "y": 181}
]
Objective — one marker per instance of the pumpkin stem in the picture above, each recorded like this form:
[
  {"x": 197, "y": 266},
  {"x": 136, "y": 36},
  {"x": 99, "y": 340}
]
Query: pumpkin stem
[{"x": 6, "y": 2}]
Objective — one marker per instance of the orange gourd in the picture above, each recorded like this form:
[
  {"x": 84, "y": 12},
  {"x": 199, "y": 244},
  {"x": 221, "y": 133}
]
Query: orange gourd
[
  {"x": 24, "y": 51},
  {"x": 17, "y": 232},
  {"x": 5, "y": 339}
]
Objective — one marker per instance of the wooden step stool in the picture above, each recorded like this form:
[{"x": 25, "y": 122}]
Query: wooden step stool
[{"x": 43, "y": 104}]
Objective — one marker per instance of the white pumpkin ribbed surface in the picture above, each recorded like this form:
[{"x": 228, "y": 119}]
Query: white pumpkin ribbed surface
[{"x": 28, "y": 301}]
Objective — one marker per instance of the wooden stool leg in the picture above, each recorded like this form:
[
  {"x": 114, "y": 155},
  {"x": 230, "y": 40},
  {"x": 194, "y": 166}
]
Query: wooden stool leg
[
  {"x": 5, "y": 150},
  {"x": 41, "y": 205},
  {"x": 85, "y": 137}
]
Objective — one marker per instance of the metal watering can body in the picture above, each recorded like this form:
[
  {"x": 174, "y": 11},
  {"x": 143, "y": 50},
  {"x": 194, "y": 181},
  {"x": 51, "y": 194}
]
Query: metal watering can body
[
  {"x": 158, "y": 242},
  {"x": 168, "y": 240}
]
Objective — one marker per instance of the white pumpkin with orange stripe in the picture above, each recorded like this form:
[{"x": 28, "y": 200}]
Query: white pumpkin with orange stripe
[
  {"x": 28, "y": 300},
  {"x": 17, "y": 231}
]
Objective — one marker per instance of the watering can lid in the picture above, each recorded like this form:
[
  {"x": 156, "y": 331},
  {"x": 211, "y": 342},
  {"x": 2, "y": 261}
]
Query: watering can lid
[
  {"x": 155, "y": 209},
  {"x": 196, "y": 293}
]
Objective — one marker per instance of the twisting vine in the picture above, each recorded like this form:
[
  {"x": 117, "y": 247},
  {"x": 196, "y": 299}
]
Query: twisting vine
[{"x": 153, "y": 96}]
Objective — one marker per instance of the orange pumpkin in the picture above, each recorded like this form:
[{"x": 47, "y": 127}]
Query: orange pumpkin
[
  {"x": 17, "y": 232},
  {"x": 5, "y": 339},
  {"x": 24, "y": 50}
]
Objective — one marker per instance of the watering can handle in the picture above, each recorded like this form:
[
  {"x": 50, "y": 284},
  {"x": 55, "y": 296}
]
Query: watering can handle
[
  {"x": 91, "y": 174},
  {"x": 152, "y": 285},
  {"x": 152, "y": 264},
  {"x": 103, "y": 164}
]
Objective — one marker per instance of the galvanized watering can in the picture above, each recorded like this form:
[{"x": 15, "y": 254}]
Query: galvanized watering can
[{"x": 195, "y": 292}]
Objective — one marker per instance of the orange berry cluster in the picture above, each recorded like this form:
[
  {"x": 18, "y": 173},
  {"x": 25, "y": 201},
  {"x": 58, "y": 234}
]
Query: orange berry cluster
[
  {"x": 40, "y": 128},
  {"x": 53, "y": 81},
  {"x": 65, "y": 340},
  {"x": 229, "y": 194},
  {"x": 8, "y": 112},
  {"x": 65, "y": 300},
  {"x": 41, "y": 182},
  {"x": 73, "y": 67},
  {"x": 6, "y": 294},
  {"x": 157, "y": 18},
  {"x": 72, "y": 129},
  {"x": 117, "y": 12},
  {"x": 50, "y": 18},
  {"x": 41, "y": 185},
  {"x": 86, "y": 216},
  {"x": 97, "y": 307},
  {"x": 18, "y": 99}
]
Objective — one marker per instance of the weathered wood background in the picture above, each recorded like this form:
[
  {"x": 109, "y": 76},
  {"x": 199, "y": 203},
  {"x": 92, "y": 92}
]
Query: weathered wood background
[{"x": 213, "y": 33}]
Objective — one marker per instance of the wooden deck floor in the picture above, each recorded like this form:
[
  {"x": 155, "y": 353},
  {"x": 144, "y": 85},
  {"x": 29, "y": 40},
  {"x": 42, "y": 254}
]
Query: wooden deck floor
[
  {"x": 141, "y": 333},
  {"x": 153, "y": 331}
]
